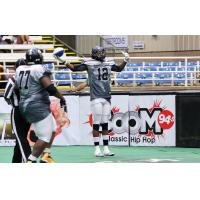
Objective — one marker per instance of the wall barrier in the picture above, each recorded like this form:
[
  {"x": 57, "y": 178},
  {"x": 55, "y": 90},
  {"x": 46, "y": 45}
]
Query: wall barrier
[
  {"x": 188, "y": 119},
  {"x": 137, "y": 119}
]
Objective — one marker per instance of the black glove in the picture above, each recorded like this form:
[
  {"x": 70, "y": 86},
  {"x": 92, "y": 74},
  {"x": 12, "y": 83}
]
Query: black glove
[{"x": 63, "y": 104}]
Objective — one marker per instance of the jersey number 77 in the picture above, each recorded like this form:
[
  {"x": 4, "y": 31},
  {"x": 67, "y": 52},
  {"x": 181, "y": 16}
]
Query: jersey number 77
[{"x": 24, "y": 76}]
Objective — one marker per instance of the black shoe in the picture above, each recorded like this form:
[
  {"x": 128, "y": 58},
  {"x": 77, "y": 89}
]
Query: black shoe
[{"x": 30, "y": 161}]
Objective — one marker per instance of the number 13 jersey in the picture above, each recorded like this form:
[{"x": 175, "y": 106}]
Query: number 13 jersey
[{"x": 34, "y": 99}]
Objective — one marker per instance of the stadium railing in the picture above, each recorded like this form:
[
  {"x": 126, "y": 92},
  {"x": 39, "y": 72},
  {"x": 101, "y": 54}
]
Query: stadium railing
[
  {"x": 179, "y": 70},
  {"x": 24, "y": 47}
]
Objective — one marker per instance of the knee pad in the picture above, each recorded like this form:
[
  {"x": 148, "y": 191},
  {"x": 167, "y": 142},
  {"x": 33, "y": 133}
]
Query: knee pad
[
  {"x": 97, "y": 119},
  {"x": 96, "y": 127},
  {"x": 104, "y": 126}
]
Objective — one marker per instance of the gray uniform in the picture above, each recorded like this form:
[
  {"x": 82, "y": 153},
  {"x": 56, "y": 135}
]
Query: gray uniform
[
  {"x": 34, "y": 99},
  {"x": 99, "y": 77}
]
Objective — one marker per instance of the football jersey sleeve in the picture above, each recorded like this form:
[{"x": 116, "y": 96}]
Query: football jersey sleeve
[
  {"x": 47, "y": 71},
  {"x": 115, "y": 68},
  {"x": 39, "y": 72},
  {"x": 81, "y": 67}
]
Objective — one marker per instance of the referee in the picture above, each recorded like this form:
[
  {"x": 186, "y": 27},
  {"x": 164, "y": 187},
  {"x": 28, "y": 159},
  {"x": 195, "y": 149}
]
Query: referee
[{"x": 20, "y": 127}]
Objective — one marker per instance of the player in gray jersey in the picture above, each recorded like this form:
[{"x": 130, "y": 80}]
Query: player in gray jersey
[
  {"x": 35, "y": 86},
  {"x": 99, "y": 73}
]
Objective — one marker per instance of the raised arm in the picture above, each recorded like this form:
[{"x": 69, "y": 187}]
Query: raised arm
[
  {"x": 81, "y": 67},
  {"x": 119, "y": 68},
  {"x": 62, "y": 59}
]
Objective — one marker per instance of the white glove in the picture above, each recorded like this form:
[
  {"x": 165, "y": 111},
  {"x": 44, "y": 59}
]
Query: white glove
[
  {"x": 62, "y": 59},
  {"x": 126, "y": 56}
]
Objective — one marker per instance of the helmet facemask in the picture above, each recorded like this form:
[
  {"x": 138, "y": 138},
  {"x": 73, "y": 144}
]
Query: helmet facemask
[{"x": 98, "y": 53}]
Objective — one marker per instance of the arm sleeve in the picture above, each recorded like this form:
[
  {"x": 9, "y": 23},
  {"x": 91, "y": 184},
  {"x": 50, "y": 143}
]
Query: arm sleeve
[
  {"x": 115, "y": 68},
  {"x": 81, "y": 67}
]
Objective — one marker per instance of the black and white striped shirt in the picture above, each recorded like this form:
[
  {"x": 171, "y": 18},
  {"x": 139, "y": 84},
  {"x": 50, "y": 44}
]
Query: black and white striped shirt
[{"x": 11, "y": 95}]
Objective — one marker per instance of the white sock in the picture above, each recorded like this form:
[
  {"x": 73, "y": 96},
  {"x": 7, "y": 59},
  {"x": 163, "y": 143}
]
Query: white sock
[
  {"x": 105, "y": 148},
  {"x": 33, "y": 158},
  {"x": 97, "y": 148}
]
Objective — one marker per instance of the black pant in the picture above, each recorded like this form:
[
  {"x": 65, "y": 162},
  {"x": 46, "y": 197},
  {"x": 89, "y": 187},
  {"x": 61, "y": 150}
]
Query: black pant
[{"x": 20, "y": 127}]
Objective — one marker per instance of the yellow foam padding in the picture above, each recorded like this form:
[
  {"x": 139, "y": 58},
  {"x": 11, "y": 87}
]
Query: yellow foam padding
[
  {"x": 43, "y": 41},
  {"x": 58, "y": 45},
  {"x": 75, "y": 61},
  {"x": 70, "y": 53},
  {"x": 63, "y": 87},
  {"x": 46, "y": 37}
]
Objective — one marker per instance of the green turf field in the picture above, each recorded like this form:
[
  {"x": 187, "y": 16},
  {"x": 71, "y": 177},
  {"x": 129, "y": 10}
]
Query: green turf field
[{"x": 84, "y": 154}]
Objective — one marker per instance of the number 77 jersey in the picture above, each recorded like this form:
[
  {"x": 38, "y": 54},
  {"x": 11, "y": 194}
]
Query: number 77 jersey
[{"x": 32, "y": 93}]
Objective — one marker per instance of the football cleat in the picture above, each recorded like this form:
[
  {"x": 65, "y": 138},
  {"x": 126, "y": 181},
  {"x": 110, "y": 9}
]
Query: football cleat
[
  {"x": 98, "y": 153},
  {"x": 30, "y": 161},
  {"x": 108, "y": 153},
  {"x": 46, "y": 158}
]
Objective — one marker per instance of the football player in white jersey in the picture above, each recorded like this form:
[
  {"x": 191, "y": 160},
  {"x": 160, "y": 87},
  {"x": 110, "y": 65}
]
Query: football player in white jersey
[
  {"x": 99, "y": 71},
  {"x": 35, "y": 86}
]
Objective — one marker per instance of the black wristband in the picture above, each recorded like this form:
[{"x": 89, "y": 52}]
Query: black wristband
[{"x": 51, "y": 89}]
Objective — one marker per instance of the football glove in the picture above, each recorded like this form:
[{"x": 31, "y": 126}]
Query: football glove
[
  {"x": 62, "y": 59},
  {"x": 126, "y": 56},
  {"x": 63, "y": 104}
]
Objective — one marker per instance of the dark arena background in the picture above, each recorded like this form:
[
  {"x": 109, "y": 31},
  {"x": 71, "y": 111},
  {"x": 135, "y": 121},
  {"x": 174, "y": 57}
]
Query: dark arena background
[{"x": 155, "y": 100}]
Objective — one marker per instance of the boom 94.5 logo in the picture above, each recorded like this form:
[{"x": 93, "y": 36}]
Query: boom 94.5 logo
[
  {"x": 148, "y": 122},
  {"x": 144, "y": 121}
]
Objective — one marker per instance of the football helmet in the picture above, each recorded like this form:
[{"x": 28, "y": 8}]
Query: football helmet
[
  {"x": 98, "y": 53},
  {"x": 34, "y": 55},
  {"x": 20, "y": 62}
]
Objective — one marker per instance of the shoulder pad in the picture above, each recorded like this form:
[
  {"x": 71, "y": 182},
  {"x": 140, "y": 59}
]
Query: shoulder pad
[
  {"x": 38, "y": 67},
  {"x": 48, "y": 67},
  {"x": 109, "y": 61},
  {"x": 22, "y": 67},
  {"x": 92, "y": 62}
]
